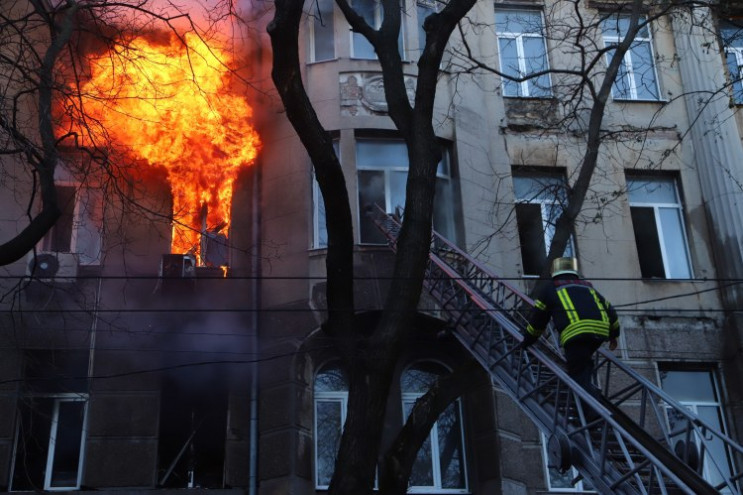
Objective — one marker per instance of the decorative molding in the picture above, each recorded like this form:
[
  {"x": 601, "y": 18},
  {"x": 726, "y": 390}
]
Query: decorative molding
[{"x": 362, "y": 93}]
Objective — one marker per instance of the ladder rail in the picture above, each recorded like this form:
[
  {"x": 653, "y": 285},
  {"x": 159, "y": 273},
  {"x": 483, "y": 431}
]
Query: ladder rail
[{"x": 470, "y": 286}]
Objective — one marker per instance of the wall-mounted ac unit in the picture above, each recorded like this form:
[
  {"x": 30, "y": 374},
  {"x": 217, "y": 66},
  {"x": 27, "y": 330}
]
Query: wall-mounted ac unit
[{"x": 50, "y": 266}]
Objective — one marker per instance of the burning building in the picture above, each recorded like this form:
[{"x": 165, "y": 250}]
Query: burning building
[{"x": 166, "y": 333}]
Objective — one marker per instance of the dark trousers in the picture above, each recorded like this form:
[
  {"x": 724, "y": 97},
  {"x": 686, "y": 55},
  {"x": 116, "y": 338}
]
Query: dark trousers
[{"x": 579, "y": 355}]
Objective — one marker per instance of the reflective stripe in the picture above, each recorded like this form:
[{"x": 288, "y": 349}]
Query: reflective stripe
[
  {"x": 540, "y": 305},
  {"x": 604, "y": 315},
  {"x": 533, "y": 331},
  {"x": 594, "y": 327},
  {"x": 567, "y": 305}
]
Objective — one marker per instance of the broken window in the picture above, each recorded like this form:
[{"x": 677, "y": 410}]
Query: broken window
[
  {"x": 657, "y": 219},
  {"x": 540, "y": 199},
  {"x": 440, "y": 465},
  {"x": 523, "y": 52},
  {"x": 331, "y": 400},
  {"x": 193, "y": 424},
  {"x": 50, "y": 427},
  {"x": 79, "y": 228},
  {"x": 636, "y": 79}
]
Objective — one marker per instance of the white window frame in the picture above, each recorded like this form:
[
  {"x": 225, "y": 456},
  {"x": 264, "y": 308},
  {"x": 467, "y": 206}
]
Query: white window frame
[
  {"x": 693, "y": 407},
  {"x": 657, "y": 206},
  {"x": 49, "y": 467},
  {"x": 737, "y": 52},
  {"x": 313, "y": 20},
  {"x": 627, "y": 63},
  {"x": 519, "y": 39},
  {"x": 340, "y": 398},
  {"x": 546, "y": 206},
  {"x": 577, "y": 488}
]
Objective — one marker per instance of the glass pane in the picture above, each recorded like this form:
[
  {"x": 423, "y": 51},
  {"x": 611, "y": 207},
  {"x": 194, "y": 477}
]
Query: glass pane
[
  {"x": 535, "y": 57},
  {"x": 652, "y": 190},
  {"x": 648, "y": 242},
  {"x": 451, "y": 455},
  {"x": 371, "y": 192},
  {"x": 361, "y": 47},
  {"x": 89, "y": 227},
  {"x": 67, "y": 443},
  {"x": 419, "y": 378},
  {"x": 675, "y": 243},
  {"x": 643, "y": 70},
  {"x": 32, "y": 443},
  {"x": 689, "y": 386},
  {"x": 735, "y": 74},
  {"x": 509, "y": 64},
  {"x": 323, "y": 30},
  {"x": 381, "y": 154},
  {"x": 422, "y": 473},
  {"x": 618, "y": 25},
  {"x": 716, "y": 460},
  {"x": 328, "y": 435},
  {"x": 543, "y": 187},
  {"x": 518, "y": 21},
  {"x": 423, "y": 12},
  {"x": 443, "y": 213},
  {"x": 322, "y": 227},
  {"x": 732, "y": 35},
  {"x": 331, "y": 379},
  {"x": 621, "y": 88},
  {"x": 397, "y": 191}
]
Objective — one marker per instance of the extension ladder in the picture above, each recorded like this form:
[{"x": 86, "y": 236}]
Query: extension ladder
[{"x": 634, "y": 440}]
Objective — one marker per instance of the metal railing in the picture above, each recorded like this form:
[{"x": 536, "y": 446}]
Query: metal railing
[{"x": 632, "y": 439}]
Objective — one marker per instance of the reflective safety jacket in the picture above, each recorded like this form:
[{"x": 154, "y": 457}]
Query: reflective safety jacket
[{"x": 576, "y": 308}]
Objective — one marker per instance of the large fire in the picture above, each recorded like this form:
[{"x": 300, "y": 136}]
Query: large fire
[{"x": 171, "y": 105}]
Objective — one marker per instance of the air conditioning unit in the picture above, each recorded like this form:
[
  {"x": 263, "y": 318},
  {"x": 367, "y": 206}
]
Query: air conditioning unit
[
  {"x": 50, "y": 266},
  {"x": 177, "y": 273}
]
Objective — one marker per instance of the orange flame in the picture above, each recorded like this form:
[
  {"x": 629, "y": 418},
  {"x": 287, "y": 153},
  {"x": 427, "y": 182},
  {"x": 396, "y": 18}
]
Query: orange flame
[{"x": 171, "y": 105}]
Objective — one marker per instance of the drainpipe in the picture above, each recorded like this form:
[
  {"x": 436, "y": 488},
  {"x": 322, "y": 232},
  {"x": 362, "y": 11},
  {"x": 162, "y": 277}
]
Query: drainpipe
[{"x": 255, "y": 286}]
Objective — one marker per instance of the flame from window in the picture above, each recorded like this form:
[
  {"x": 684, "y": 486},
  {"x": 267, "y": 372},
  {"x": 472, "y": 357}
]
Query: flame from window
[{"x": 172, "y": 105}]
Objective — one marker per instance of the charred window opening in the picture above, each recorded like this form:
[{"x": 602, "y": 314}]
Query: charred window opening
[
  {"x": 50, "y": 427},
  {"x": 193, "y": 421},
  {"x": 60, "y": 237}
]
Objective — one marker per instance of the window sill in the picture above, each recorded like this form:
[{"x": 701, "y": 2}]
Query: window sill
[
  {"x": 629, "y": 100},
  {"x": 533, "y": 98}
]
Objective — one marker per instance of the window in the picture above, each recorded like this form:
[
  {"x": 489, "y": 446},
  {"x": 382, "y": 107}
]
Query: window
[
  {"x": 732, "y": 40},
  {"x": 424, "y": 9},
  {"x": 79, "y": 228},
  {"x": 319, "y": 226},
  {"x": 372, "y": 12},
  {"x": 440, "y": 466},
  {"x": 563, "y": 482},
  {"x": 382, "y": 173},
  {"x": 50, "y": 429},
  {"x": 698, "y": 391},
  {"x": 636, "y": 79},
  {"x": 539, "y": 203},
  {"x": 657, "y": 219},
  {"x": 322, "y": 39},
  {"x": 522, "y": 52},
  {"x": 331, "y": 399}
]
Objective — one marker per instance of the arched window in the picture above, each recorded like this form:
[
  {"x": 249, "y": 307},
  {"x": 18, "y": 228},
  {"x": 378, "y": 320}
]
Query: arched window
[
  {"x": 440, "y": 466},
  {"x": 331, "y": 398}
]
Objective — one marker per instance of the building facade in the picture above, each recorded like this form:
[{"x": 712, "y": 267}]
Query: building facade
[{"x": 127, "y": 367}]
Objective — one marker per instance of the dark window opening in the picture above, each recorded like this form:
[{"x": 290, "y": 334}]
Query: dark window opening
[
  {"x": 193, "y": 421},
  {"x": 531, "y": 237},
  {"x": 648, "y": 244}
]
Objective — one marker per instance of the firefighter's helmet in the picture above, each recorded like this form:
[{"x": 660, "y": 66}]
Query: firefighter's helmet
[{"x": 562, "y": 266}]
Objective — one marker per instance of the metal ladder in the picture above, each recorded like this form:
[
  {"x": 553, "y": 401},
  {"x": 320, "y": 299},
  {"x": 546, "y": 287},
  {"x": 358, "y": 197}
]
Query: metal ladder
[{"x": 634, "y": 440}]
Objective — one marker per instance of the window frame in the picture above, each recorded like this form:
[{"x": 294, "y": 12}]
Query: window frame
[
  {"x": 694, "y": 404},
  {"x": 576, "y": 488},
  {"x": 546, "y": 205},
  {"x": 615, "y": 39},
  {"x": 518, "y": 38},
  {"x": 443, "y": 179},
  {"x": 729, "y": 34},
  {"x": 325, "y": 396},
  {"x": 409, "y": 399},
  {"x": 378, "y": 18},
  {"x": 656, "y": 207},
  {"x": 51, "y": 445},
  {"x": 313, "y": 22}
]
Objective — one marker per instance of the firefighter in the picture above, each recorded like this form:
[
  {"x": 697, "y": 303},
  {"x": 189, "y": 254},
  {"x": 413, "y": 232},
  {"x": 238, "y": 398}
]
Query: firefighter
[{"x": 581, "y": 316}]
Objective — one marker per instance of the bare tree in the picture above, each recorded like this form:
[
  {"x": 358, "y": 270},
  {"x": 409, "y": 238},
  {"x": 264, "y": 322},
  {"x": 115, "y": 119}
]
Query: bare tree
[{"x": 582, "y": 90}]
